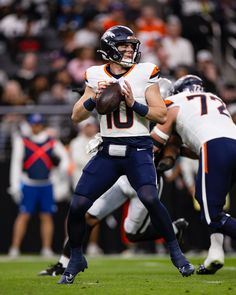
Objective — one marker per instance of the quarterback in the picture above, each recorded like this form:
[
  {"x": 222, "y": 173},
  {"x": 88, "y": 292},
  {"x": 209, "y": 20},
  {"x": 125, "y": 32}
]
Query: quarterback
[{"x": 126, "y": 147}]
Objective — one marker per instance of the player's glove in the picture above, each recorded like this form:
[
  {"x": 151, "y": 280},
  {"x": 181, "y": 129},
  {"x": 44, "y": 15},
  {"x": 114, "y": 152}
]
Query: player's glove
[
  {"x": 165, "y": 164},
  {"x": 15, "y": 194},
  {"x": 93, "y": 145}
]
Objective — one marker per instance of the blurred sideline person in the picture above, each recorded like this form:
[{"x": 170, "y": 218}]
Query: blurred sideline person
[
  {"x": 126, "y": 147},
  {"x": 206, "y": 127},
  {"x": 33, "y": 158},
  {"x": 87, "y": 130}
]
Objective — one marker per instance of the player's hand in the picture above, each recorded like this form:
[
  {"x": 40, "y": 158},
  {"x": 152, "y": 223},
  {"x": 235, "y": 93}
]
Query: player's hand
[
  {"x": 128, "y": 94},
  {"x": 15, "y": 194},
  {"x": 101, "y": 86},
  {"x": 165, "y": 164}
]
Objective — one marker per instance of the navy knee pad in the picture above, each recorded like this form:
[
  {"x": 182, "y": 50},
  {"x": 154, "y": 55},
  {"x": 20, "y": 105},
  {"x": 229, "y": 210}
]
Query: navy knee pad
[
  {"x": 148, "y": 195},
  {"x": 80, "y": 205},
  {"x": 218, "y": 222}
]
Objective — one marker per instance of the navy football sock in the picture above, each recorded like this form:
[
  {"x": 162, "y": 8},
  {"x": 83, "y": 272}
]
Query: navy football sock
[
  {"x": 176, "y": 254},
  {"x": 158, "y": 213},
  {"x": 76, "y": 223}
]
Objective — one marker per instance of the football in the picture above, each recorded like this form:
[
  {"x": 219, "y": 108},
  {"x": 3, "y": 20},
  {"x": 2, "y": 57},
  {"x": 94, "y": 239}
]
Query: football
[{"x": 110, "y": 99}]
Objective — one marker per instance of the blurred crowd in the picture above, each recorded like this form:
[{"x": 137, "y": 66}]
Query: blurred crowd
[{"x": 46, "y": 46}]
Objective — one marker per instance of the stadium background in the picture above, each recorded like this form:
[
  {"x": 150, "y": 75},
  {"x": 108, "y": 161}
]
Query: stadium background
[{"x": 45, "y": 47}]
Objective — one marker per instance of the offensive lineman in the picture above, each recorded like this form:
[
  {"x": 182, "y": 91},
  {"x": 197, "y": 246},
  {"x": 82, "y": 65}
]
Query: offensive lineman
[{"x": 206, "y": 127}]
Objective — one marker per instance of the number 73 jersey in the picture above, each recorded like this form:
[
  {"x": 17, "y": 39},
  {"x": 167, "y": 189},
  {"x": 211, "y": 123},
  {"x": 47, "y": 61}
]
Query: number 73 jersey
[
  {"x": 124, "y": 122},
  {"x": 202, "y": 116}
]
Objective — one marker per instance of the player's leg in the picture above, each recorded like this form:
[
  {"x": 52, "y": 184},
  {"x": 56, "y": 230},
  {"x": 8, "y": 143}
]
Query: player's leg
[
  {"x": 138, "y": 226},
  {"x": 214, "y": 179},
  {"x": 47, "y": 207},
  {"x": 26, "y": 208},
  {"x": 19, "y": 230},
  {"x": 91, "y": 185},
  {"x": 142, "y": 177},
  {"x": 104, "y": 206},
  {"x": 215, "y": 257},
  {"x": 101, "y": 208}
]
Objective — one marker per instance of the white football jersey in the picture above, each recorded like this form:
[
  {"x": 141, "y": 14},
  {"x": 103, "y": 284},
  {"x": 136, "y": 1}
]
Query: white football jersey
[
  {"x": 124, "y": 122},
  {"x": 202, "y": 116}
]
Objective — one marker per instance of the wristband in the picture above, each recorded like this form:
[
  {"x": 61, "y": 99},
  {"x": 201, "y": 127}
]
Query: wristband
[
  {"x": 140, "y": 109},
  {"x": 90, "y": 104},
  {"x": 161, "y": 134}
]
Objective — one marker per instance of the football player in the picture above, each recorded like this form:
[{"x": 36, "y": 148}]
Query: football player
[
  {"x": 206, "y": 127},
  {"x": 126, "y": 148}
]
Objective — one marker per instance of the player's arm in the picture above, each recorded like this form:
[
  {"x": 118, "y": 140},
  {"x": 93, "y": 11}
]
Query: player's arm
[
  {"x": 162, "y": 132},
  {"x": 186, "y": 152},
  {"x": 155, "y": 110},
  {"x": 169, "y": 153},
  {"x": 84, "y": 105}
]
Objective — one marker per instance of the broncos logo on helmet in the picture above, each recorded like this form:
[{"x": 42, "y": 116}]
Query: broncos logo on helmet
[
  {"x": 114, "y": 37},
  {"x": 188, "y": 82}
]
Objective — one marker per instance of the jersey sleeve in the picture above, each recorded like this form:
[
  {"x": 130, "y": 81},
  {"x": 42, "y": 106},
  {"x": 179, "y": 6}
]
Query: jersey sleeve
[
  {"x": 89, "y": 78},
  {"x": 155, "y": 75}
]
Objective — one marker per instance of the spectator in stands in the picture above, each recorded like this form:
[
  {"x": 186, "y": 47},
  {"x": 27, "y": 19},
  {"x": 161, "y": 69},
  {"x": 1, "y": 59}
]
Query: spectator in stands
[
  {"x": 27, "y": 71},
  {"x": 59, "y": 95},
  {"x": 38, "y": 87},
  {"x": 133, "y": 10},
  {"x": 202, "y": 14},
  {"x": 149, "y": 28},
  {"x": 115, "y": 17},
  {"x": 88, "y": 36},
  {"x": 179, "y": 49},
  {"x": 84, "y": 58},
  {"x": 228, "y": 94},
  {"x": 67, "y": 17},
  {"x": 13, "y": 94},
  {"x": 207, "y": 70},
  {"x": 33, "y": 157},
  {"x": 14, "y": 24}
]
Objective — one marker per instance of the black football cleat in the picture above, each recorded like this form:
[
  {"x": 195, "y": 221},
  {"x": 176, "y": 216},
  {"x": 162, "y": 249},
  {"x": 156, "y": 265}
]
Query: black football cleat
[
  {"x": 181, "y": 225},
  {"x": 66, "y": 278},
  {"x": 210, "y": 270},
  {"x": 53, "y": 270},
  {"x": 72, "y": 270},
  {"x": 187, "y": 270}
]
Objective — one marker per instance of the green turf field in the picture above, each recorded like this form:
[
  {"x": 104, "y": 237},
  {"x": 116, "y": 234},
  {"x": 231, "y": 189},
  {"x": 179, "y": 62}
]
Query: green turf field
[{"x": 115, "y": 276}]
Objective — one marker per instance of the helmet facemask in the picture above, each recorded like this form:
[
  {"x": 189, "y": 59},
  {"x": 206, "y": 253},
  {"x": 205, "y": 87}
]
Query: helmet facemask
[{"x": 125, "y": 61}]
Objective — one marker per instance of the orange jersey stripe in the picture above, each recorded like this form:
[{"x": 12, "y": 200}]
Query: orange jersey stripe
[
  {"x": 155, "y": 72},
  {"x": 205, "y": 158},
  {"x": 106, "y": 71},
  {"x": 168, "y": 102}
]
